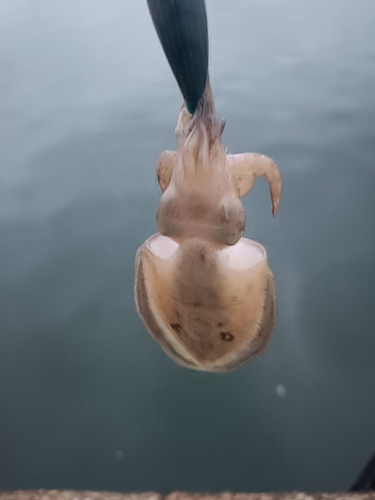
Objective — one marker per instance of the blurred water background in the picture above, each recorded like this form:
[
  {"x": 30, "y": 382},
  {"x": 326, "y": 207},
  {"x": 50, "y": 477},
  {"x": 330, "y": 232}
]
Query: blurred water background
[{"x": 87, "y": 399}]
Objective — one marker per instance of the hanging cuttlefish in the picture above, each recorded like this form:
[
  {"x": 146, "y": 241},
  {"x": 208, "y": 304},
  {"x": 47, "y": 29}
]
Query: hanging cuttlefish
[{"x": 204, "y": 292}]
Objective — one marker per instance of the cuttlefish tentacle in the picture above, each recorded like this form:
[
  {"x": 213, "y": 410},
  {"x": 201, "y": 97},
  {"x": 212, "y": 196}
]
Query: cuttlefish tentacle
[{"x": 205, "y": 293}]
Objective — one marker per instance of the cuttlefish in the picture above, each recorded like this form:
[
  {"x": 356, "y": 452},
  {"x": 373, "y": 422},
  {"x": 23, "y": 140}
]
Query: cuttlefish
[{"x": 204, "y": 292}]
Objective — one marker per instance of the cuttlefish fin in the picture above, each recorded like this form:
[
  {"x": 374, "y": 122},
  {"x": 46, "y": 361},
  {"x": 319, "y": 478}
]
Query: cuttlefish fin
[
  {"x": 164, "y": 169},
  {"x": 246, "y": 167}
]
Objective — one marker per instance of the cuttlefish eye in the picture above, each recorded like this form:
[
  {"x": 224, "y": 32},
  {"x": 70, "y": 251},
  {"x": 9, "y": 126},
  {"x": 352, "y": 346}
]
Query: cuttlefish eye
[{"x": 211, "y": 307}]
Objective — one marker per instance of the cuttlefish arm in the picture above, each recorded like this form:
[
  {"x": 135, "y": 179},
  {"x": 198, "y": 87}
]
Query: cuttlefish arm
[
  {"x": 245, "y": 169},
  {"x": 164, "y": 169}
]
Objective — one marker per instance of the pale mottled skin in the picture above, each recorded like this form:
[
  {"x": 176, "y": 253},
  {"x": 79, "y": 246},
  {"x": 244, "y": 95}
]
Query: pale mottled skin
[{"x": 205, "y": 313}]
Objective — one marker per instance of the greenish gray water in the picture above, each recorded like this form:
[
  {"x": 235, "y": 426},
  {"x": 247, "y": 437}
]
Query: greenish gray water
[{"x": 87, "y": 399}]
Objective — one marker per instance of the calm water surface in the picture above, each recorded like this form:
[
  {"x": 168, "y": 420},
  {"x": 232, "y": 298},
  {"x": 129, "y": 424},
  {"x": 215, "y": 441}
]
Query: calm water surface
[{"x": 87, "y": 399}]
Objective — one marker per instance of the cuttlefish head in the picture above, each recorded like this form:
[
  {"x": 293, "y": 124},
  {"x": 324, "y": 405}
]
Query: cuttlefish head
[
  {"x": 200, "y": 197},
  {"x": 204, "y": 292}
]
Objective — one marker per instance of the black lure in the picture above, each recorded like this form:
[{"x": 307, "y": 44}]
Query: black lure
[{"x": 181, "y": 26}]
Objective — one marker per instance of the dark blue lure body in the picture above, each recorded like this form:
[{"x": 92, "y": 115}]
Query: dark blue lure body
[{"x": 181, "y": 26}]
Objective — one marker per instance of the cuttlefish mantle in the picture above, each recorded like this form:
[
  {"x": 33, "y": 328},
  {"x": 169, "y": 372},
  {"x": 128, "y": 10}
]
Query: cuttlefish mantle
[{"x": 203, "y": 292}]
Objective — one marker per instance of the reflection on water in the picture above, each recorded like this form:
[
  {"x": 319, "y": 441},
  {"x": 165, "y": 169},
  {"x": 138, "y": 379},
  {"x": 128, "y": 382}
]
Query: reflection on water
[{"x": 88, "y": 102}]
